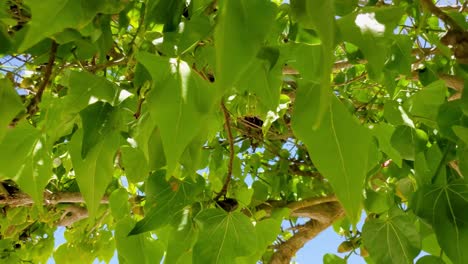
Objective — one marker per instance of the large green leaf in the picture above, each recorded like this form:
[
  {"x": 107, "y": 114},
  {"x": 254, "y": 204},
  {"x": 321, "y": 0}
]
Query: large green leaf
[
  {"x": 320, "y": 16},
  {"x": 392, "y": 239},
  {"x": 179, "y": 102},
  {"x": 424, "y": 105},
  {"x": 408, "y": 141},
  {"x": 339, "y": 148},
  {"x": 444, "y": 207},
  {"x": 238, "y": 36},
  {"x": 311, "y": 96},
  {"x": 141, "y": 248},
  {"x": 85, "y": 88},
  {"x": 134, "y": 163},
  {"x": 10, "y": 105},
  {"x": 95, "y": 171},
  {"x": 223, "y": 237},
  {"x": 180, "y": 243},
  {"x": 99, "y": 121},
  {"x": 53, "y": 16},
  {"x": 166, "y": 201},
  {"x": 25, "y": 159}
]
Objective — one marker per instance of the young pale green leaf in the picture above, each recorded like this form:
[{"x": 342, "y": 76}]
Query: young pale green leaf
[
  {"x": 134, "y": 163},
  {"x": 333, "y": 259},
  {"x": 444, "y": 206},
  {"x": 223, "y": 237},
  {"x": 339, "y": 148},
  {"x": 16, "y": 147},
  {"x": 392, "y": 239},
  {"x": 238, "y": 37},
  {"x": 86, "y": 88},
  {"x": 94, "y": 172},
  {"x": 26, "y": 159},
  {"x": 166, "y": 200},
  {"x": 10, "y": 105},
  {"x": 99, "y": 120},
  {"x": 36, "y": 172},
  {"x": 118, "y": 203},
  {"x": 141, "y": 248},
  {"x": 179, "y": 103}
]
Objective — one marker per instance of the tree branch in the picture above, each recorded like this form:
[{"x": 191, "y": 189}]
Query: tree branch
[
  {"x": 227, "y": 125},
  {"x": 448, "y": 20},
  {"x": 22, "y": 199},
  {"x": 286, "y": 250}
]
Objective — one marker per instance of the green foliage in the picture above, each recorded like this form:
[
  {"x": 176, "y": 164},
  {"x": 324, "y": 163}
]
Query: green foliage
[{"x": 206, "y": 131}]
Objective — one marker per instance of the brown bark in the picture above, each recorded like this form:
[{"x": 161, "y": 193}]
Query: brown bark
[
  {"x": 22, "y": 199},
  {"x": 328, "y": 212}
]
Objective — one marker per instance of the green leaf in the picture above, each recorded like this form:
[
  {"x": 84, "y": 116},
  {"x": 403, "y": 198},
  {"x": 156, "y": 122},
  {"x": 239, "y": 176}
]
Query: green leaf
[
  {"x": 450, "y": 115},
  {"x": 118, "y": 203},
  {"x": 223, "y": 237},
  {"x": 134, "y": 163},
  {"x": 94, "y": 172},
  {"x": 333, "y": 259},
  {"x": 369, "y": 30},
  {"x": 52, "y": 16},
  {"x": 180, "y": 244},
  {"x": 424, "y": 105},
  {"x": 344, "y": 7},
  {"x": 462, "y": 133},
  {"x": 238, "y": 36},
  {"x": 392, "y": 239},
  {"x": 339, "y": 149},
  {"x": 443, "y": 207},
  {"x": 264, "y": 83},
  {"x": 399, "y": 59},
  {"x": 310, "y": 96},
  {"x": 10, "y": 105},
  {"x": 166, "y": 200},
  {"x": 99, "y": 120},
  {"x": 408, "y": 141},
  {"x": 179, "y": 102},
  {"x": 320, "y": 16},
  {"x": 86, "y": 88},
  {"x": 16, "y": 147},
  {"x": 430, "y": 260},
  {"x": 383, "y": 132},
  {"x": 26, "y": 159},
  {"x": 140, "y": 248}
]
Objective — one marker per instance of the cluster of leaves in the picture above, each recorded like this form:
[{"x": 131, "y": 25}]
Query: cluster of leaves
[{"x": 193, "y": 129}]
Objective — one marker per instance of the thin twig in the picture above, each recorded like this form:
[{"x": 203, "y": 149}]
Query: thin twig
[
  {"x": 227, "y": 126},
  {"x": 33, "y": 107}
]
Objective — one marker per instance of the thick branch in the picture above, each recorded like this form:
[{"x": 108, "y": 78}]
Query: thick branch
[
  {"x": 22, "y": 199},
  {"x": 286, "y": 250}
]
